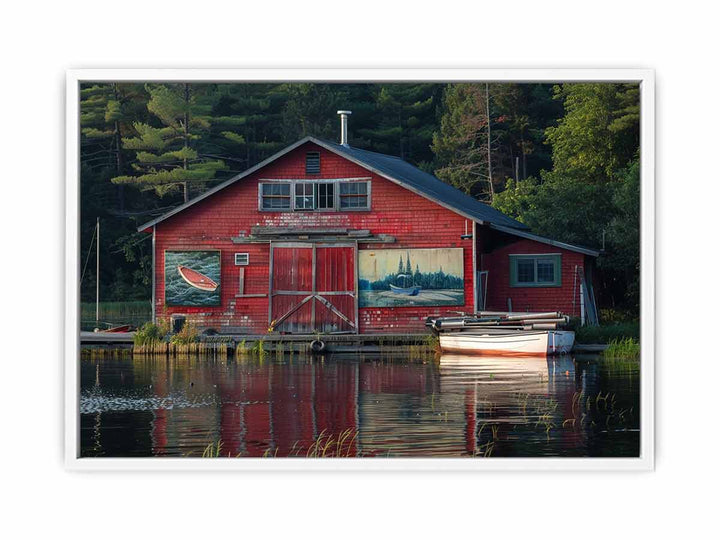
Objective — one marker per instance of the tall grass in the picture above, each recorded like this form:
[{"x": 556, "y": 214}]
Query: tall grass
[
  {"x": 150, "y": 333},
  {"x": 626, "y": 349},
  {"x": 188, "y": 334}
]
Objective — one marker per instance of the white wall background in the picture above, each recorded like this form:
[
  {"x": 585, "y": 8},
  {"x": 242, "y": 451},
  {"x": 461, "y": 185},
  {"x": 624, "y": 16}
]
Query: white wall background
[{"x": 40, "y": 42}]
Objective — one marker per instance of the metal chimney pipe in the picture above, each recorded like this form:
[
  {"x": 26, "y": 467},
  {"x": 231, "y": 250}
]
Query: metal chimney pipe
[{"x": 343, "y": 127}]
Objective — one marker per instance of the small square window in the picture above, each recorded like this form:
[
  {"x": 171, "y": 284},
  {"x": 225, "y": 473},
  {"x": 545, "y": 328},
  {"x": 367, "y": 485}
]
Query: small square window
[{"x": 242, "y": 259}]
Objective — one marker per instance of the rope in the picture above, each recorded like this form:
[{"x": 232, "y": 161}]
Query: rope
[{"x": 92, "y": 240}]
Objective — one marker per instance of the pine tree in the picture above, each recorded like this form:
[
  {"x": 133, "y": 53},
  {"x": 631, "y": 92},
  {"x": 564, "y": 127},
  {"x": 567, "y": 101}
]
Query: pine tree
[
  {"x": 463, "y": 146},
  {"x": 403, "y": 120},
  {"x": 246, "y": 124},
  {"x": 107, "y": 111},
  {"x": 166, "y": 157},
  {"x": 400, "y": 266},
  {"x": 408, "y": 266}
]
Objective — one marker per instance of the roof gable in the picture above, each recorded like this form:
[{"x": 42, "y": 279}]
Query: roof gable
[{"x": 389, "y": 167}]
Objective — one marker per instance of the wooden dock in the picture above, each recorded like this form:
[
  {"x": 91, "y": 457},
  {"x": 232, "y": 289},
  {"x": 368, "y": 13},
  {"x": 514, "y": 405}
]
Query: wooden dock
[
  {"x": 368, "y": 343},
  {"x": 333, "y": 342},
  {"x": 106, "y": 338}
]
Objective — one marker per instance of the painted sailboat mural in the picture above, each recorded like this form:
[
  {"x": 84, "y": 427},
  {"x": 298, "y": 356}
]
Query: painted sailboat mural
[
  {"x": 404, "y": 289},
  {"x": 411, "y": 277}
]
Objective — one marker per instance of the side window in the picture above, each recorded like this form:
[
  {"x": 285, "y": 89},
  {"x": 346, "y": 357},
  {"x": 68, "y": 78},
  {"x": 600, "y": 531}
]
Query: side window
[{"x": 535, "y": 270}]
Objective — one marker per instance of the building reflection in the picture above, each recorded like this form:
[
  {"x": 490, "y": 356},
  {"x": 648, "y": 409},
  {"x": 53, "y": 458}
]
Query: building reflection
[{"x": 255, "y": 408}]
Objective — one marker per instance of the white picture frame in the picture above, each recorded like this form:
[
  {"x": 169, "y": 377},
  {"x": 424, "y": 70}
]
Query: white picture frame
[{"x": 646, "y": 79}]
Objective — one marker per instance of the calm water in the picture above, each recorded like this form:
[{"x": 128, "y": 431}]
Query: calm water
[{"x": 457, "y": 406}]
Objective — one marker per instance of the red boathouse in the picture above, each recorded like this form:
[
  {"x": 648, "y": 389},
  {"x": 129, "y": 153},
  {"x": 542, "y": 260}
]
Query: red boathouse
[{"x": 324, "y": 237}]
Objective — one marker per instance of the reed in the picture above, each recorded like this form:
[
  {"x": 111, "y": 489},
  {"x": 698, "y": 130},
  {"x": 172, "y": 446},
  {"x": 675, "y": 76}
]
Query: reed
[
  {"x": 187, "y": 335},
  {"x": 625, "y": 349},
  {"x": 258, "y": 350},
  {"x": 325, "y": 445},
  {"x": 104, "y": 353},
  {"x": 212, "y": 450}
]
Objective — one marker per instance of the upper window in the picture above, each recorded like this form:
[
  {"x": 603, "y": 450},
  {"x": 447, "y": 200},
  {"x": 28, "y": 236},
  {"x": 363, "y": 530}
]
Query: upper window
[
  {"x": 325, "y": 196},
  {"x": 275, "y": 196},
  {"x": 535, "y": 270},
  {"x": 304, "y": 196},
  {"x": 337, "y": 195},
  {"x": 354, "y": 195},
  {"x": 312, "y": 163}
]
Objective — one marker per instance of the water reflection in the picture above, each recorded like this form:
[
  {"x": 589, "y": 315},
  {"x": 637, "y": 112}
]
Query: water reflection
[{"x": 457, "y": 406}]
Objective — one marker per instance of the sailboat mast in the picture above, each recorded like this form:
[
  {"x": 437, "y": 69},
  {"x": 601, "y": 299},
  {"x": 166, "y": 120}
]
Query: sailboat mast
[{"x": 97, "y": 276}]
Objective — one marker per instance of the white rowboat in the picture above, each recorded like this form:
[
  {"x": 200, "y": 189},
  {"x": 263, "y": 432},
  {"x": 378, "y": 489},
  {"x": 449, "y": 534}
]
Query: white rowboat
[{"x": 513, "y": 343}]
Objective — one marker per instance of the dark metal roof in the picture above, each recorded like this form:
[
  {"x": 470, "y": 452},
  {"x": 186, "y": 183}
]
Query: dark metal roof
[
  {"x": 390, "y": 167},
  {"x": 543, "y": 240},
  {"x": 423, "y": 183}
]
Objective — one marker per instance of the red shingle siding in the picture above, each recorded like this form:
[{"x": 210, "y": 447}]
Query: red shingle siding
[
  {"x": 413, "y": 220},
  {"x": 531, "y": 298}
]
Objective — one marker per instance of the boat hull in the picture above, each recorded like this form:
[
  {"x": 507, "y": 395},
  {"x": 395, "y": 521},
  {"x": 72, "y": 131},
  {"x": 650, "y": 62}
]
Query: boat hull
[
  {"x": 408, "y": 291},
  {"x": 508, "y": 344},
  {"x": 196, "y": 279}
]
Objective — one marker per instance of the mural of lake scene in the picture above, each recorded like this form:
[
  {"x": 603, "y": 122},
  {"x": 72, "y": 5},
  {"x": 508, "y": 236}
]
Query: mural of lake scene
[
  {"x": 192, "y": 278},
  {"x": 411, "y": 277},
  {"x": 360, "y": 406}
]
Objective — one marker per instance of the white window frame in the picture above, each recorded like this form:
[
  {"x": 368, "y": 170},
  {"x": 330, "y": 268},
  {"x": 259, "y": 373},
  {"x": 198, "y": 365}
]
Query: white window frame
[
  {"x": 260, "y": 197},
  {"x": 312, "y": 195},
  {"x": 240, "y": 256},
  {"x": 337, "y": 182}
]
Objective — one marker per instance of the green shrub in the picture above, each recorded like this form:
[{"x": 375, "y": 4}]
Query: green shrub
[
  {"x": 188, "y": 334},
  {"x": 148, "y": 333},
  {"x": 605, "y": 333}
]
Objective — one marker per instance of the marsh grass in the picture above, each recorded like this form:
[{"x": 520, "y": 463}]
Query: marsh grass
[
  {"x": 258, "y": 350},
  {"x": 624, "y": 349},
  {"x": 102, "y": 353},
  {"x": 325, "y": 445},
  {"x": 187, "y": 335},
  {"x": 589, "y": 413}
]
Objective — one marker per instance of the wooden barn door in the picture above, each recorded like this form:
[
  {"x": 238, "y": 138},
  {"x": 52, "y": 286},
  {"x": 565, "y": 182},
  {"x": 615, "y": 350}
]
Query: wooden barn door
[{"x": 312, "y": 288}]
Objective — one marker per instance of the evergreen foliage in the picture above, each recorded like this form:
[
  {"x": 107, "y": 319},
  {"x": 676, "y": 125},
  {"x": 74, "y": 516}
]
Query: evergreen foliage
[
  {"x": 166, "y": 154},
  {"x": 563, "y": 159}
]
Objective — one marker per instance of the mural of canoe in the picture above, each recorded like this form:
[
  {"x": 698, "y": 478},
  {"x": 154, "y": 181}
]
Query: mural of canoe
[
  {"x": 196, "y": 279},
  {"x": 408, "y": 291}
]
